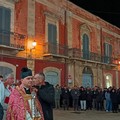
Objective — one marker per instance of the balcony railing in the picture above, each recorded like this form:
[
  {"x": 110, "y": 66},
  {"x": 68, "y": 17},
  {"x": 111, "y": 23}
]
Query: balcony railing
[
  {"x": 12, "y": 40},
  {"x": 55, "y": 49},
  {"x": 77, "y": 53}
]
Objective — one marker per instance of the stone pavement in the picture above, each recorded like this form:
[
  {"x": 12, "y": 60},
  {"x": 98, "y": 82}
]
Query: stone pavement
[{"x": 85, "y": 115}]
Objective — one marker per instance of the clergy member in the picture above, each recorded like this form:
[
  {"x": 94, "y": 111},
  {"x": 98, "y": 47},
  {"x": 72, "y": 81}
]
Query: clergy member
[{"x": 23, "y": 103}]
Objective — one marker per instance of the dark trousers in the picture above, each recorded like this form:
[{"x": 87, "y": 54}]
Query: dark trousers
[
  {"x": 1, "y": 112},
  {"x": 66, "y": 104},
  {"x": 99, "y": 105},
  {"x": 114, "y": 107},
  {"x": 75, "y": 104}
]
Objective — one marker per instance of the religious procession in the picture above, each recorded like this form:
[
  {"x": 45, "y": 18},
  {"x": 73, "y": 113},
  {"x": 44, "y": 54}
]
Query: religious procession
[{"x": 30, "y": 99}]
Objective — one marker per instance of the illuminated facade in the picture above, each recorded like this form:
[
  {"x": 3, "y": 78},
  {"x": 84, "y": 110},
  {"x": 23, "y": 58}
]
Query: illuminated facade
[{"x": 73, "y": 46}]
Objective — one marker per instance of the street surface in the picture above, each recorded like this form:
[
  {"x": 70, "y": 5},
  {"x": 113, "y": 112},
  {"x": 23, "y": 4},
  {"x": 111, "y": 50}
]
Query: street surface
[{"x": 85, "y": 115}]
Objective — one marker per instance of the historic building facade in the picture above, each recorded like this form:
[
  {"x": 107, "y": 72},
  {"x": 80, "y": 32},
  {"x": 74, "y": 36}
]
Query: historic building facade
[{"x": 73, "y": 46}]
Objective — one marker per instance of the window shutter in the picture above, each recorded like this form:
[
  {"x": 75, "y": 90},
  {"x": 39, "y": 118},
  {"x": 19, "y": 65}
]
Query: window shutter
[
  {"x": 105, "y": 49},
  {"x": 7, "y": 20},
  {"x": 86, "y": 54},
  {"x": 1, "y": 18},
  {"x": 49, "y": 33},
  {"x": 5, "y": 16},
  {"x": 54, "y": 34},
  {"x": 110, "y": 50},
  {"x": 54, "y": 39}
]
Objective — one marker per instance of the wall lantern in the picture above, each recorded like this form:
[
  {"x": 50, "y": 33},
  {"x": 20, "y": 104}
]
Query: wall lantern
[{"x": 34, "y": 43}]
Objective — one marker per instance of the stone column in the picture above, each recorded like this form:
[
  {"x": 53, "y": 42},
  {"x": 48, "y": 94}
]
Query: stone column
[
  {"x": 31, "y": 30},
  {"x": 71, "y": 73}
]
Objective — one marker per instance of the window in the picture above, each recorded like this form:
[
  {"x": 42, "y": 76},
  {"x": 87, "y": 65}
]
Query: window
[
  {"x": 5, "y": 16},
  {"x": 107, "y": 53},
  {"x": 108, "y": 80},
  {"x": 52, "y": 33},
  {"x": 85, "y": 46},
  {"x": 52, "y": 38}
]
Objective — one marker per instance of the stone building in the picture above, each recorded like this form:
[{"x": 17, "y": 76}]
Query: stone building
[{"x": 73, "y": 46}]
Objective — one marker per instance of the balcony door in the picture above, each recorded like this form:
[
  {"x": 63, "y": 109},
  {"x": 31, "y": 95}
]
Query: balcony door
[
  {"x": 85, "y": 47},
  {"x": 5, "y": 18},
  {"x": 107, "y": 53},
  {"x": 52, "y": 38}
]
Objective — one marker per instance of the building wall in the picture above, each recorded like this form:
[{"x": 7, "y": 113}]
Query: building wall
[
  {"x": 14, "y": 63},
  {"x": 41, "y": 66},
  {"x": 31, "y": 18}
]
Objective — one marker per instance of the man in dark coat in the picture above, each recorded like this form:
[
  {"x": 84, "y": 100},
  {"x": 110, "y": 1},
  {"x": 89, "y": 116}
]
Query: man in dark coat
[
  {"x": 75, "y": 95},
  {"x": 114, "y": 99},
  {"x": 46, "y": 95},
  {"x": 65, "y": 97}
]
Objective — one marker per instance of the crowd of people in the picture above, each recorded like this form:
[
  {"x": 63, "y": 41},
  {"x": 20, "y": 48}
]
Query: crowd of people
[
  {"x": 34, "y": 99},
  {"x": 31, "y": 99},
  {"x": 81, "y": 98}
]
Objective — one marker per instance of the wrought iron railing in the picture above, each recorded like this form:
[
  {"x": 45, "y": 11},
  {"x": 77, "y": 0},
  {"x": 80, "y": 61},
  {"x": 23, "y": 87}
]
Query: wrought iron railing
[
  {"x": 12, "y": 39},
  {"x": 56, "y": 49},
  {"x": 77, "y": 53}
]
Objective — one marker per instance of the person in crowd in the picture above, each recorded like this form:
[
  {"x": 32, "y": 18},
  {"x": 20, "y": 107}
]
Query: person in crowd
[
  {"x": 99, "y": 99},
  {"x": 8, "y": 83},
  {"x": 65, "y": 97},
  {"x": 23, "y": 103},
  {"x": 83, "y": 97},
  {"x": 89, "y": 99},
  {"x": 75, "y": 96},
  {"x": 57, "y": 96},
  {"x": 70, "y": 97},
  {"x": 46, "y": 95},
  {"x": 108, "y": 100},
  {"x": 94, "y": 94},
  {"x": 118, "y": 93},
  {"x": 1, "y": 97},
  {"x": 114, "y": 99},
  {"x": 104, "y": 100}
]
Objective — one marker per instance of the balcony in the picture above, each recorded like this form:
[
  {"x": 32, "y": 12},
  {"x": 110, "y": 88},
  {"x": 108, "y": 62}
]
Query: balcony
[
  {"x": 61, "y": 51},
  {"x": 55, "y": 50},
  {"x": 11, "y": 43},
  {"x": 75, "y": 53}
]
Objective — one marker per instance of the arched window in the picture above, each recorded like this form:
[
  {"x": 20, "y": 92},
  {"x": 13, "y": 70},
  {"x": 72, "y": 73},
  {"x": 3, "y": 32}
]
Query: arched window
[
  {"x": 7, "y": 68},
  {"x": 87, "y": 77},
  {"x": 85, "y": 46},
  {"x": 108, "y": 80}
]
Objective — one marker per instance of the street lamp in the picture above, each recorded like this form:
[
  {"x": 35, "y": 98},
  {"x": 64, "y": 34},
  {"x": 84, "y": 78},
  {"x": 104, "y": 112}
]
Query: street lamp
[{"x": 34, "y": 43}]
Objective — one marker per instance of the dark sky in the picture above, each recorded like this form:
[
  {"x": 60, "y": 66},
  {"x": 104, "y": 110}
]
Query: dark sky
[{"x": 108, "y": 10}]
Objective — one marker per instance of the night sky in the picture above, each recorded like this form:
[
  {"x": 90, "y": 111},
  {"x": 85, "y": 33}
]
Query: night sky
[{"x": 109, "y": 10}]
